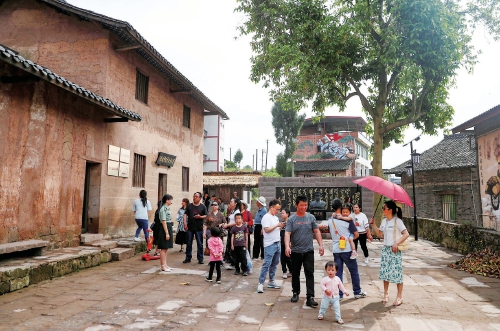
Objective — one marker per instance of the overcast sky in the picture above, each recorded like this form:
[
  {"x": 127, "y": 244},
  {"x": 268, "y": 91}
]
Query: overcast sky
[{"x": 198, "y": 38}]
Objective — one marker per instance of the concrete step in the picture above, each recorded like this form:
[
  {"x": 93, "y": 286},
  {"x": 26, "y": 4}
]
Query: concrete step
[
  {"x": 103, "y": 244},
  {"x": 90, "y": 237},
  {"x": 120, "y": 254}
]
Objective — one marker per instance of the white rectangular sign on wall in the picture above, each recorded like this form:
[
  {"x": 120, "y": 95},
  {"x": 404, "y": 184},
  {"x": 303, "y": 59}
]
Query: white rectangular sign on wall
[
  {"x": 114, "y": 153},
  {"x": 124, "y": 155},
  {"x": 124, "y": 169},
  {"x": 113, "y": 168}
]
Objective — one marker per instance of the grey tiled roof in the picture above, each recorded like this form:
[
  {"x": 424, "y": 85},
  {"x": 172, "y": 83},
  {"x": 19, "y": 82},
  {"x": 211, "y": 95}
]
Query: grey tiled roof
[
  {"x": 9, "y": 56},
  {"x": 454, "y": 151},
  {"x": 130, "y": 36},
  {"x": 330, "y": 165}
]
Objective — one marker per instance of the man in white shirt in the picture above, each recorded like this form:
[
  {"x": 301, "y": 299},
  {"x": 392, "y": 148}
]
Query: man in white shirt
[{"x": 271, "y": 228}]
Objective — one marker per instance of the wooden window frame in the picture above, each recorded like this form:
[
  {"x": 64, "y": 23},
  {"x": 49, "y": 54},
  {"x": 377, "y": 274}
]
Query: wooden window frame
[
  {"x": 139, "y": 173},
  {"x": 141, "y": 87},
  {"x": 185, "y": 179},
  {"x": 449, "y": 207},
  {"x": 186, "y": 117}
]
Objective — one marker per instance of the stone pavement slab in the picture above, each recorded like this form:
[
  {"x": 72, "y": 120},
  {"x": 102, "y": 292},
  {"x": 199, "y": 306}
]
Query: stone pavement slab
[{"x": 135, "y": 295}]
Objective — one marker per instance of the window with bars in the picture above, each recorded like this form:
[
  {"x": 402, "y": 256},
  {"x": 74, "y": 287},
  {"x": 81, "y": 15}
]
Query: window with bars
[
  {"x": 449, "y": 211},
  {"x": 186, "y": 120},
  {"x": 139, "y": 175},
  {"x": 185, "y": 179},
  {"x": 141, "y": 87}
]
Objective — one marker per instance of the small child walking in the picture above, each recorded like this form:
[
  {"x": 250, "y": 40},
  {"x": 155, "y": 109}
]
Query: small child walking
[
  {"x": 216, "y": 250},
  {"x": 331, "y": 285},
  {"x": 239, "y": 245},
  {"x": 348, "y": 217}
]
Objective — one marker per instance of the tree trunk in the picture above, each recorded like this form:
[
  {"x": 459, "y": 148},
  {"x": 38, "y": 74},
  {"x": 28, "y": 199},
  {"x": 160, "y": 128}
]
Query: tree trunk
[{"x": 378, "y": 145}]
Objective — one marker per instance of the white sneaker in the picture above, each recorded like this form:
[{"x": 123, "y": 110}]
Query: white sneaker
[
  {"x": 367, "y": 260},
  {"x": 260, "y": 288},
  {"x": 137, "y": 239},
  {"x": 354, "y": 255},
  {"x": 285, "y": 276}
]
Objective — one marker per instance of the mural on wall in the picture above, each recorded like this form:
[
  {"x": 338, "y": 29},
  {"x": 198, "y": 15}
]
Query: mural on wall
[
  {"x": 489, "y": 176},
  {"x": 330, "y": 146}
]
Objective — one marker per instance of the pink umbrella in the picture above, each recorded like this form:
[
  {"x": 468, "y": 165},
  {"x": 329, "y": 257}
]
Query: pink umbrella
[{"x": 386, "y": 188}]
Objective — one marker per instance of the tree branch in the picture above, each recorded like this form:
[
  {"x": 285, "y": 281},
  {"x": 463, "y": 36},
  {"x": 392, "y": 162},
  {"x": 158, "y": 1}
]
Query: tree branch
[
  {"x": 364, "y": 101},
  {"x": 401, "y": 122},
  {"x": 345, "y": 97},
  {"x": 394, "y": 75}
]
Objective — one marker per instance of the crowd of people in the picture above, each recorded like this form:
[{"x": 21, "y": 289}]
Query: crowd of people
[{"x": 290, "y": 240}]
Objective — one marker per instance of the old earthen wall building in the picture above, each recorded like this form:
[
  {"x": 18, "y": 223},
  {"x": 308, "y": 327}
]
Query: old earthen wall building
[{"x": 54, "y": 175}]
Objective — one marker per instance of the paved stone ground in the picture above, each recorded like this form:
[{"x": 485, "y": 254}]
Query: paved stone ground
[{"x": 133, "y": 294}]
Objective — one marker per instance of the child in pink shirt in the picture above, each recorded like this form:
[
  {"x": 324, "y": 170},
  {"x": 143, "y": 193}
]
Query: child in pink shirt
[
  {"x": 216, "y": 249},
  {"x": 331, "y": 285}
]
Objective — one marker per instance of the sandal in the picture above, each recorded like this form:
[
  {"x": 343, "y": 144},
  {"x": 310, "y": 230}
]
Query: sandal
[
  {"x": 181, "y": 250},
  {"x": 398, "y": 302},
  {"x": 156, "y": 254},
  {"x": 340, "y": 321},
  {"x": 320, "y": 317},
  {"x": 386, "y": 298}
]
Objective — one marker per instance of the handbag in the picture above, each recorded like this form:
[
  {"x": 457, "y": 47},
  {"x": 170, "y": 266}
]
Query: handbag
[
  {"x": 405, "y": 245},
  {"x": 206, "y": 251}
]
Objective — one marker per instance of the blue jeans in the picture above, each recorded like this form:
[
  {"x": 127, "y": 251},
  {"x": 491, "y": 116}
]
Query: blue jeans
[
  {"x": 325, "y": 303},
  {"x": 352, "y": 265},
  {"x": 142, "y": 225},
  {"x": 271, "y": 259},
  {"x": 189, "y": 245}
]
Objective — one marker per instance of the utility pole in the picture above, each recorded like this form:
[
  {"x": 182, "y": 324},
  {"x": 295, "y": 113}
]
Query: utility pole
[
  {"x": 262, "y": 162},
  {"x": 267, "y": 150},
  {"x": 256, "y": 157},
  {"x": 253, "y": 160},
  {"x": 230, "y": 159}
]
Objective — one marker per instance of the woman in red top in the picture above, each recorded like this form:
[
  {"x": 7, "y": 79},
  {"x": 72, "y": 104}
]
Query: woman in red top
[{"x": 248, "y": 219}]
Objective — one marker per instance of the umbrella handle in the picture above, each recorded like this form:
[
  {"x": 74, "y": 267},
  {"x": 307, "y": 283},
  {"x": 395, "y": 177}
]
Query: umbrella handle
[{"x": 380, "y": 200}]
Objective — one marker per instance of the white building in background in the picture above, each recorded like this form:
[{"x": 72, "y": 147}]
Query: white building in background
[{"x": 213, "y": 147}]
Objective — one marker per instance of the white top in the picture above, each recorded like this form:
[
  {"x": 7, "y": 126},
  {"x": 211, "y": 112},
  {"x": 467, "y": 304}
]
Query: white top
[
  {"x": 361, "y": 222},
  {"x": 387, "y": 227},
  {"x": 231, "y": 217},
  {"x": 141, "y": 212},
  {"x": 269, "y": 221}
]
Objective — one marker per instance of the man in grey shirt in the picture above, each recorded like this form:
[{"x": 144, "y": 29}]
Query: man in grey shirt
[{"x": 299, "y": 232}]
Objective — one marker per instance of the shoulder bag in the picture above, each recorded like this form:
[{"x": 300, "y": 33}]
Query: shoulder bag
[{"x": 405, "y": 245}]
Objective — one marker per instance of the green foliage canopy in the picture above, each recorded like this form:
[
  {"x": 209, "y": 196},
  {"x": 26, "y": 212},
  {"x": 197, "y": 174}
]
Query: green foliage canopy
[
  {"x": 399, "y": 57},
  {"x": 238, "y": 156}
]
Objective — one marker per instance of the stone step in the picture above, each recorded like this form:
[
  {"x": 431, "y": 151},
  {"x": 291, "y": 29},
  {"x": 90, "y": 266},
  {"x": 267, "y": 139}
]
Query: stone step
[
  {"x": 90, "y": 237},
  {"x": 103, "y": 244},
  {"x": 119, "y": 254}
]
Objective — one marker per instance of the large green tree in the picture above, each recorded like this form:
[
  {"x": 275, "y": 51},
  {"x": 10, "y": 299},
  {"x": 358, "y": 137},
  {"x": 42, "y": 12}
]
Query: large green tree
[
  {"x": 287, "y": 124},
  {"x": 399, "y": 57},
  {"x": 238, "y": 156}
]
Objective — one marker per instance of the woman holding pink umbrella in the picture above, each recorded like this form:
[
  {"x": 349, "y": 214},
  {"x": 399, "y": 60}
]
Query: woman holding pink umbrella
[{"x": 394, "y": 232}]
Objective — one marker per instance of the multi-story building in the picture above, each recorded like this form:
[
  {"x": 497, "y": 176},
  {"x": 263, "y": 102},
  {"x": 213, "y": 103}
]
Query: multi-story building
[
  {"x": 91, "y": 115},
  {"x": 213, "y": 143},
  {"x": 334, "y": 146}
]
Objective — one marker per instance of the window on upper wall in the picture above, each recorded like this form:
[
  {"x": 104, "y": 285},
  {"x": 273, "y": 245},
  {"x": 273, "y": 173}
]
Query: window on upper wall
[
  {"x": 186, "y": 119},
  {"x": 139, "y": 175},
  {"x": 141, "y": 87},
  {"x": 185, "y": 179},
  {"x": 449, "y": 211}
]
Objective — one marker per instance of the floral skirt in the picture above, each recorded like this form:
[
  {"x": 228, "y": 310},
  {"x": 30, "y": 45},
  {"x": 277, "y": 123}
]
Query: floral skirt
[{"x": 391, "y": 266}]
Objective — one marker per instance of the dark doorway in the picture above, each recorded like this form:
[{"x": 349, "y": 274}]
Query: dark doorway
[
  {"x": 162, "y": 186},
  {"x": 90, "y": 213}
]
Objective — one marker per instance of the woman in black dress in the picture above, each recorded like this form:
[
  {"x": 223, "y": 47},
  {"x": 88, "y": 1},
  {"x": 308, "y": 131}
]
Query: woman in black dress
[{"x": 165, "y": 235}]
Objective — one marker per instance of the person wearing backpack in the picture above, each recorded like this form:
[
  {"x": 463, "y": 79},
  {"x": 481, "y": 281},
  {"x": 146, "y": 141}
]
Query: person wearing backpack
[{"x": 165, "y": 233}]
